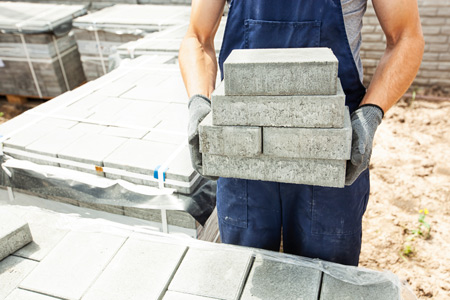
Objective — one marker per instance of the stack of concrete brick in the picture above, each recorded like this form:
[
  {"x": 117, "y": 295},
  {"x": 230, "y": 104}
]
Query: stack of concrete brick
[
  {"x": 99, "y": 34},
  {"x": 279, "y": 115}
]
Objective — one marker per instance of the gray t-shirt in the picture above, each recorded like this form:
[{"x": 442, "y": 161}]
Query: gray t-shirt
[{"x": 353, "y": 11}]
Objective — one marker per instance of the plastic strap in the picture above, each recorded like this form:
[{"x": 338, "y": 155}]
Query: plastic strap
[
  {"x": 161, "y": 169},
  {"x": 97, "y": 39},
  {"x": 60, "y": 61},
  {"x": 156, "y": 172},
  {"x": 165, "y": 227},
  {"x": 10, "y": 194},
  {"x": 30, "y": 64}
]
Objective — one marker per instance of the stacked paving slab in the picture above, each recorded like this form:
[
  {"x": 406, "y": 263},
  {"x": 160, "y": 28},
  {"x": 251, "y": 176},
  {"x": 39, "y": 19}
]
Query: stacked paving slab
[
  {"x": 99, "y": 34},
  {"x": 38, "y": 56},
  {"x": 279, "y": 115}
]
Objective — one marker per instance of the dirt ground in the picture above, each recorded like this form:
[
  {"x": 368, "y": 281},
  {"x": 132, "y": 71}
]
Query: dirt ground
[{"x": 410, "y": 171}]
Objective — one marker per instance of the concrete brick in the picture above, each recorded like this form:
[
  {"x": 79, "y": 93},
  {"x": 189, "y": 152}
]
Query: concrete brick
[
  {"x": 12, "y": 271},
  {"x": 166, "y": 137},
  {"x": 180, "y": 296},
  {"x": 27, "y": 136},
  {"x": 180, "y": 218},
  {"x": 302, "y": 71},
  {"x": 14, "y": 233},
  {"x": 322, "y": 143},
  {"x": 19, "y": 294},
  {"x": 73, "y": 265},
  {"x": 57, "y": 122},
  {"x": 118, "y": 210},
  {"x": 229, "y": 140},
  {"x": 227, "y": 271},
  {"x": 321, "y": 172},
  {"x": 284, "y": 111},
  {"x": 333, "y": 288},
  {"x": 140, "y": 270},
  {"x": 153, "y": 215},
  {"x": 125, "y": 132},
  {"x": 88, "y": 128},
  {"x": 91, "y": 148},
  {"x": 275, "y": 280},
  {"x": 16, "y": 123}
]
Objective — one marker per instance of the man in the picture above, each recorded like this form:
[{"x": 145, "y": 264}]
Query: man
[{"x": 317, "y": 222}]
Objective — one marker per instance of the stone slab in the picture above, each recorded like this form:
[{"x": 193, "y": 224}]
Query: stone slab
[
  {"x": 321, "y": 172},
  {"x": 320, "y": 143},
  {"x": 14, "y": 233},
  {"x": 295, "y": 71},
  {"x": 73, "y": 265},
  {"x": 180, "y": 296},
  {"x": 27, "y": 136},
  {"x": 125, "y": 132},
  {"x": 19, "y": 294},
  {"x": 229, "y": 140},
  {"x": 335, "y": 289},
  {"x": 282, "y": 111},
  {"x": 140, "y": 270},
  {"x": 91, "y": 148},
  {"x": 12, "y": 271},
  {"x": 166, "y": 137},
  {"x": 269, "y": 279},
  {"x": 227, "y": 271}
]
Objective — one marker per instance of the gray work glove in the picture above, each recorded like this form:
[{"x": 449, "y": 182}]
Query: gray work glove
[
  {"x": 199, "y": 107},
  {"x": 365, "y": 121}
]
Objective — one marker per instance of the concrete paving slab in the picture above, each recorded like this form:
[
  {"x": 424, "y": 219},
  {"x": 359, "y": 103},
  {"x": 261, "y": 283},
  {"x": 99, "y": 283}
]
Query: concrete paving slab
[
  {"x": 274, "y": 280},
  {"x": 89, "y": 101},
  {"x": 227, "y": 271},
  {"x": 181, "y": 168},
  {"x": 124, "y": 132},
  {"x": 54, "y": 142},
  {"x": 321, "y": 143},
  {"x": 282, "y": 111},
  {"x": 14, "y": 233},
  {"x": 16, "y": 123},
  {"x": 166, "y": 137},
  {"x": 335, "y": 289},
  {"x": 12, "y": 271},
  {"x": 229, "y": 140},
  {"x": 300, "y": 71},
  {"x": 88, "y": 128},
  {"x": 27, "y": 136},
  {"x": 140, "y": 270},
  {"x": 181, "y": 219},
  {"x": 91, "y": 148},
  {"x": 19, "y": 294},
  {"x": 180, "y": 296},
  {"x": 57, "y": 122},
  {"x": 153, "y": 215},
  {"x": 73, "y": 265},
  {"x": 321, "y": 172}
]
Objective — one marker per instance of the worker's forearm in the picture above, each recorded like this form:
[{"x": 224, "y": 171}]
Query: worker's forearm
[
  {"x": 395, "y": 72},
  {"x": 198, "y": 66}
]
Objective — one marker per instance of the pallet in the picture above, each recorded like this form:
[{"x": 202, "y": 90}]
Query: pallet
[{"x": 19, "y": 99}]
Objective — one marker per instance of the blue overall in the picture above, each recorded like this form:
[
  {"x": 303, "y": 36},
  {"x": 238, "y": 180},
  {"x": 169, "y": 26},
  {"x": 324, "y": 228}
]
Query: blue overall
[{"x": 317, "y": 222}]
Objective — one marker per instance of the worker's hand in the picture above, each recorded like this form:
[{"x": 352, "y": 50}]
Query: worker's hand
[
  {"x": 365, "y": 121},
  {"x": 199, "y": 107}
]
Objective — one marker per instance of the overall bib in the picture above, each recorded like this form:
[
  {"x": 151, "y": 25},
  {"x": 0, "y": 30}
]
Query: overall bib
[{"x": 317, "y": 222}]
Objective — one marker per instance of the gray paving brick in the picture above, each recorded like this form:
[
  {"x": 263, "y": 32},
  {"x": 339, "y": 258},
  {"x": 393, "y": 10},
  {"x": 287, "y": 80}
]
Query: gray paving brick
[
  {"x": 301, "y": 171},
  {"x": 274, "y": 280},
  {"x": 227, "y": 271},
  {"x": 229, "y": 140},
  {"x": 298, "y": 71},
  {"x": 91, "y": 148},
  {"x": 73, "y": 265},
  {"x": 284, "y": 111},
  {"x": 180, "y": 218},
  {"x": 88, "y": 102},
  {"x": 335, "y": 289},
  {"x": 54, "y": 142},
  {"x": 88, "y": 128},
  {"x": 180, "y": 296},
  {"x": 124, "y": 132},
  {"x": 14, "y": 233},
  {"x": 140, "y": 270},
  {"x": 20, "y": 294},
  {"x": 12, "y": 271},
  {"x": 118, "y": 210},
  {"x": 153, "y": 215},
  {"x": 16, "y": 123},
  {"x": 57, "y": 122},
  {"x": 323, "y": 143},
  {"x": 166, "y": 137},
  {"x": 27, "y": 136}
]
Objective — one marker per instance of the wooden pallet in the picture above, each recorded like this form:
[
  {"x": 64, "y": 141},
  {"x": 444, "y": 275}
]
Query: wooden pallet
[{"x": 19, "y": 99}]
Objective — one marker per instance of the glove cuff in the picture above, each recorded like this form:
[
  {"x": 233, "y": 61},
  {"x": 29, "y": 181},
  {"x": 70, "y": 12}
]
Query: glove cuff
[
  {"x": 374, "y": 105},
  {"x": 199, "y": 97}
]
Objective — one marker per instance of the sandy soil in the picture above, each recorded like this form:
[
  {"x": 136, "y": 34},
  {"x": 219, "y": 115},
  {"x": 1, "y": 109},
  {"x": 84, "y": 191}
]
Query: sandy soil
[{"x": 410, "y": 171}]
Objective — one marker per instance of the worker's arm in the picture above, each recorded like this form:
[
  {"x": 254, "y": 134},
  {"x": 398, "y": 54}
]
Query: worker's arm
[
  {"x": 397, "y": 68},
  {"x": 393, "y": 76},
  {"x": 198, "y": 66},
  {"x": 197, "y": 55}
]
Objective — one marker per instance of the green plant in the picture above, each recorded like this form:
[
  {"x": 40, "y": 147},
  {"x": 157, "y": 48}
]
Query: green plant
[
  {"x": 423, "y": 230},
  {"x": 1, "y": 114}
]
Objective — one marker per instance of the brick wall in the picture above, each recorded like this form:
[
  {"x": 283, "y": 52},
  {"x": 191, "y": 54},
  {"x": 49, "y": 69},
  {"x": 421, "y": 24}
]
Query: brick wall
[{"x": 435, "y": 68}]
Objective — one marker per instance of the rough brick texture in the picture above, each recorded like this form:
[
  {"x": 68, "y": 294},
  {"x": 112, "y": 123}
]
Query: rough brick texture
[{"x": 435, "y": 68}]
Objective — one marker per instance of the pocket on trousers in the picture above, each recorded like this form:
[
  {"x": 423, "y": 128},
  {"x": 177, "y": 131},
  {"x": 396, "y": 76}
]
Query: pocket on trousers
[
  {"x": 339, "y": 211},
  {"x": 232, "y": 201},
  {"x": 277, "y": 34}
]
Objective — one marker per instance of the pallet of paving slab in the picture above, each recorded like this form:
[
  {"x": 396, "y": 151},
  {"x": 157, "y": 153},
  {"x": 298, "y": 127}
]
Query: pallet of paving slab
[
  {"x": 16, "y": 99},
  {"x": 165, "y": 41}
]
